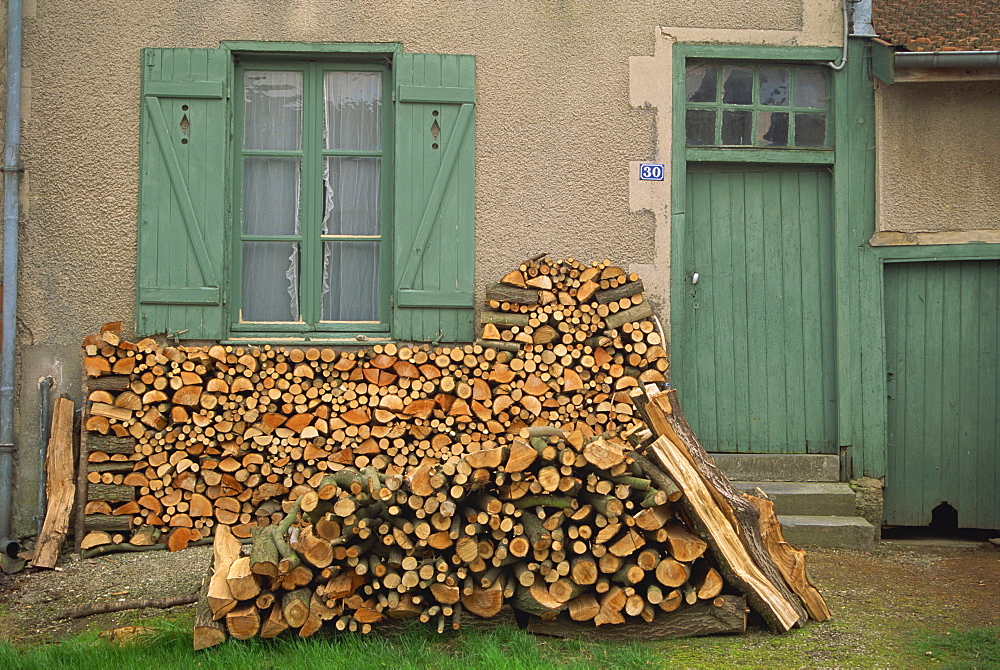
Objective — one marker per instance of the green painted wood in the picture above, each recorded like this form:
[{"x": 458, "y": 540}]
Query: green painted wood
[
  {"x": 434, "y": 190},
  {"x": 182, "y": 213},
  {"x": 312, "y": 153},
  {"x": 739, "y": 52},
  {"x": 759, "y": 337},
  {"x": 299, "y": 48},
  {"x": 860, "y": 371},
  {"x": 884, "y": 62},
  {"x": 942, "y": 328},
  {"x": 755, "y": 155}
]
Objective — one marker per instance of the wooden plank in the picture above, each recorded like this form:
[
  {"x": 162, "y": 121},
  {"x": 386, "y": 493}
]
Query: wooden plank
[
  {"x": 713, "y": 525},
  {"x": 791, "y": 224},
  {"x": 757, "y": 299},
  {"x": 59, "y": 486},
  {"x": 725, "y": 614},
  {"x": 743, "y": 383}
]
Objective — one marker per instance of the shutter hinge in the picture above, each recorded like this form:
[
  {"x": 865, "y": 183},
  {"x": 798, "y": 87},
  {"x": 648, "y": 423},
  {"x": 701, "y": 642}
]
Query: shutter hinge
[{"x": 392, "y": 304}]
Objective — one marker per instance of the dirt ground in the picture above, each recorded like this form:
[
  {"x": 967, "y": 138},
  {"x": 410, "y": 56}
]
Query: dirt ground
[{"x": 875, "y": 597}]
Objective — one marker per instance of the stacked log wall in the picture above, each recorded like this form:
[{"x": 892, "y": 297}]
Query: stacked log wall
[{"x": 183, "y": 439}]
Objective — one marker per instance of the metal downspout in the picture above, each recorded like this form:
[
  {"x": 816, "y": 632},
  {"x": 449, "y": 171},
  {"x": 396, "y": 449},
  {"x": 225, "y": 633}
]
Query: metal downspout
[{"x": 11, "y": 181}]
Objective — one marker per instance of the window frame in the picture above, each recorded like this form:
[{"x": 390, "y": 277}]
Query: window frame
[
  {"x": 755, "y": 107},
  {"x": 185, "y": 199},
  {"x": 312, "y": 154}
]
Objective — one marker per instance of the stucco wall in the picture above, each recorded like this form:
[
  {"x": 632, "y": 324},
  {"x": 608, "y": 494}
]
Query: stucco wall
[
  {"x": 939, "y": 158},
  {"x": 563, "y": 115}
]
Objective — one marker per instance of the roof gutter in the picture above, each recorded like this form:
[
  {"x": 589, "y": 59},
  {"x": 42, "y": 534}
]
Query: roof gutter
[{"x": 904, "y": 59}]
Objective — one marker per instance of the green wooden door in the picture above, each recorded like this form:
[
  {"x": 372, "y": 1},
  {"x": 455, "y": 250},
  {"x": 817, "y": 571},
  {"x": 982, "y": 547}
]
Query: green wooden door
[
  {"x": 942, "y": 326},
  {"x": 755, "y": 364}
]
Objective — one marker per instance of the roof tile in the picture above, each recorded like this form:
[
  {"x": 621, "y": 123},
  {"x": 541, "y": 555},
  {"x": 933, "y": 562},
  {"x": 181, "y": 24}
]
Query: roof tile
[{"x": 939, "y": 25}]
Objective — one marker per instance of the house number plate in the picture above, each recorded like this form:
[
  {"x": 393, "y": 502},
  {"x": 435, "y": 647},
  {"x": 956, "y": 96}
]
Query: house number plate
[{"x": 651, "y": 171}]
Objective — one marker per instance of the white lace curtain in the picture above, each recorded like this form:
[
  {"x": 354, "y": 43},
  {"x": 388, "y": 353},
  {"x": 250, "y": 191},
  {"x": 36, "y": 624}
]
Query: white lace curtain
[{"x": 351, "y": 205}]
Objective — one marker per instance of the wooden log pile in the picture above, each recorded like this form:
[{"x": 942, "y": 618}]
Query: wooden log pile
[
  {"x": 545, "y": 525},
  {"x": 414, "y": 481},
  {"x": 201, "y": 436}
]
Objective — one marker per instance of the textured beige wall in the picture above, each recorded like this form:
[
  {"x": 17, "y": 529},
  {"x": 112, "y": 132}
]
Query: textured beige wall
[
  {"x": 939, "y": 160},
  {"x": 563, "y": 115}
]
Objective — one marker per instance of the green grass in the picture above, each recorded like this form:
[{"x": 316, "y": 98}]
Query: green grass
[
  {"x": 974, "y": 648},
  {"x": 509, "y": 648},
  {"x": 503, "y": 647}
]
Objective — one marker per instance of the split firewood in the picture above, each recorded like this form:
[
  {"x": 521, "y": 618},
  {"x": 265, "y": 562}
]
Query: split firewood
[{"x": 420, "y": 481}]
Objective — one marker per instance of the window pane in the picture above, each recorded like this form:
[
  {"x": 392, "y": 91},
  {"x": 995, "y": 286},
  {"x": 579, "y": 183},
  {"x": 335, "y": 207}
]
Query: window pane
[
  {"x": 810, "y": 130},
  {"x": 270, "y": 196},
  {"x": 351, "y": 195},
  {"x": 736, "y": 127},
  {"x": 700, "y": 127},
  {"x": 272, "y": 110},
  {"x": 772, "y": 129},
  {"x": 737, "y": 85},
  {"x": 701, "y": 83},
  {"x": 774, "y": 86},
  {"x": 810, "y": 88},
  {"x": 353, "y": 103},
  {"x": 350, "y": 281},
  {"x": 270, "y": 281}
]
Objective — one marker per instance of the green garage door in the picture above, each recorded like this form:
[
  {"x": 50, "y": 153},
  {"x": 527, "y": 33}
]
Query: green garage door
[
  {"x": 942, "y": 325},
  {"x": 755, "y": 361}
]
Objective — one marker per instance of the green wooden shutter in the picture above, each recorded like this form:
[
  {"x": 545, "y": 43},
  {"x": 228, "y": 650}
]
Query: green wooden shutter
[
  {"x": 433, "y": 236},
  {"x": 182, "y": 160}
]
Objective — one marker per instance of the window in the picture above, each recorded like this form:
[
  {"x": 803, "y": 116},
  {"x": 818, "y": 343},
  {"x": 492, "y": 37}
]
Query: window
[
  {"x": 306, "y": 192},
  {"x": 742, "y": 105},
  {"x": 311, "y": 248}
]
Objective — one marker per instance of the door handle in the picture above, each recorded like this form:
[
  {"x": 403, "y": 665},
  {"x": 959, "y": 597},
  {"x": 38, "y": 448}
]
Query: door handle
[{"x": 694, "y": 279}]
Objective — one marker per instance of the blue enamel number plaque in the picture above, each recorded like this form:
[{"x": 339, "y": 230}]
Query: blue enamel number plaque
[{"x": 651, "y": 171}]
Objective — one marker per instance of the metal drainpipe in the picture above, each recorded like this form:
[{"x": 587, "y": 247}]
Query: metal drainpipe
[
  {"x": 44, "y": 386},
  {"x": 11, "y": 180}
]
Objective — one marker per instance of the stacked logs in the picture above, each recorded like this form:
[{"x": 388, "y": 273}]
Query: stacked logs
[
  {"x": 416, "y": 481},
  {"x": 551, "y": 523},
  {"x": 229, "y": 436}
]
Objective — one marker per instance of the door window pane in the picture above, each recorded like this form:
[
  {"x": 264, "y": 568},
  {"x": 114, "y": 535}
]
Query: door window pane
[
  {"x": 350, "y": 281},
  {"x": 270, "y": 196},
  {"x": 772, "y": 129},
  {"x": 701, "y": 83},
  {"x": 774, "y": 86},
  {"x": 351, "y": 195},
  {"x": 737, "y": 85},
  {"x": 272, "y": 110},
  {"x": 270, "y": 281},
  {"x": 736, "y": 127},
  {"x": 810, "y": 130},
  {"x": 700, "y": 127},
  {"x": 810, "y": 88},
  {"x": 353, "y": 111}
]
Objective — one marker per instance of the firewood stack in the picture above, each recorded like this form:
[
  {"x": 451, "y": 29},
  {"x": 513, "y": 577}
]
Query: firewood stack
[
  {"x": 229, "y": 435},
  {"x": 508, "y": 525},
  {"x": 402, "y": 481}
]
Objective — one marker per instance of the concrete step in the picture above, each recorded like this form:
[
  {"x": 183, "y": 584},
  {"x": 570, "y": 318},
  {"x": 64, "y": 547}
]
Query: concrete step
[
  {"x": 837, "y": 532},
  {"x": 808, "y": 498},
  {"x": 779, "y": 467}
]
